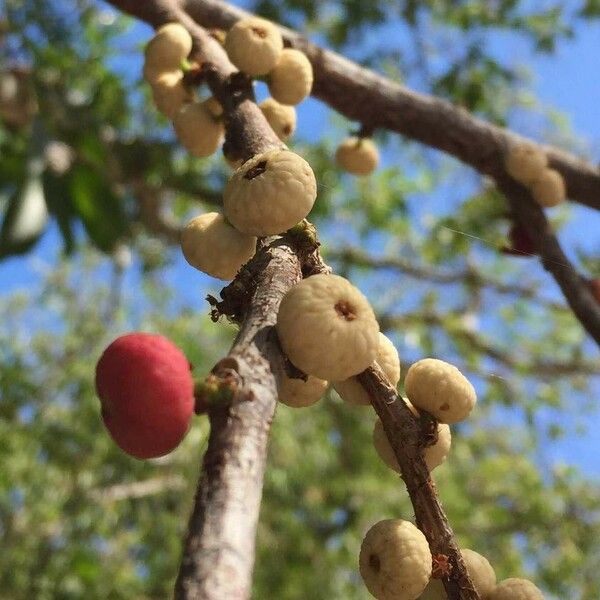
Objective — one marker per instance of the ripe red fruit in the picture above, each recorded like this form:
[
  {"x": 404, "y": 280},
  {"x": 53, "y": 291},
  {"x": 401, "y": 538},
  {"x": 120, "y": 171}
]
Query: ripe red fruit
[
  {"x": 147, "y": 394},
  {"x": 521, "y": 243},
  {"x": 595, "y": 288}
]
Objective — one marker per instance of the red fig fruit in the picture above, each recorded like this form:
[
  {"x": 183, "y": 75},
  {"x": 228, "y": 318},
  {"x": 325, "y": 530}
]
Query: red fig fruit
[
  {"x": 521, "y": 243},
  {"x": 595, "y": 288},
  {"x": 147, "y": 394}
]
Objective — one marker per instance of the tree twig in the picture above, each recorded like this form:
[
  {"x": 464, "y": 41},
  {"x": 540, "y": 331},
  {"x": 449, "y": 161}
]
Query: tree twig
[{"x": 404, "y": 434}]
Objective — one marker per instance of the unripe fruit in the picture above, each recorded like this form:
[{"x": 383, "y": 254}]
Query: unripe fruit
[
  {"x": 515, "y": 589},
  {"x": 299, "y": 393},
  {"x": 147, "y": 394},
  {"x": 214, "y": 107},
  {"x": 358, "y": 156},
  {"x": 170, "y": 94},
  {"x": 525, "y": 163},
  {"x": 292, "y": 78},
  {"x": 549, "y": 189},
  {"x": 213, "y": 246},
  {"x": 166, "y": 50},
  {"x": 254, "y": 46},
  {"x": 280, "y": 117},
  {"x": 521, "y": 243},
  {"x": 434, "y": 455},
  {"x": 327, "y": 328},
  {"x": 481, "y": 572},
  {"x": 440, "y": 389},
  {"x": 387, "y": 358},
  {"x": 270, "y": 193},
  {"x": 197, "y": 128},
  {"x": 395, "y": 560}
]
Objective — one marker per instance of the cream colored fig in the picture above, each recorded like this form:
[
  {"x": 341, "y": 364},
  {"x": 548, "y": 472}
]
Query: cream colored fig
[
  {"x": 270, "y": 193},
  {"x": 434, "y": 455},
  {"x": 170, "y": 94},
  {"x": 549, "y": 189},
  {"x": 280, "y": 117},
  {"x": 481, "y": 572},
  {"x": 198, "y": 130},
  {"x": 515, "y": 589},
  {"x": 525, "y": 162},
  {"x": 358, "y": 156},
  {"x": 292, "y": 78},
  {"x": 299, "y": 393},
  {"x": 327, "y": 328},
  {"x": 395, "y": 560},
  {"x": 213, "y": 246},
  {"x": 166, "y": 50},
  {"x": 214, "y": 107},
  {"x": 440, "y": 389},
  {"x": 387, "y": 358},
  {"x": 254, "y": 46}
]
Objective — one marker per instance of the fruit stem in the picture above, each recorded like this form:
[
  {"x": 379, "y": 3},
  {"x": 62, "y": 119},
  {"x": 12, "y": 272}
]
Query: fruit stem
[{"x": 212, "y": 391}]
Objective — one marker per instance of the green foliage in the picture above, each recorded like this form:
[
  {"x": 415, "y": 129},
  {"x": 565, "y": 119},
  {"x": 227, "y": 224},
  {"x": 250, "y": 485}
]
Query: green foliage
[{"x": 79, "y": 518}]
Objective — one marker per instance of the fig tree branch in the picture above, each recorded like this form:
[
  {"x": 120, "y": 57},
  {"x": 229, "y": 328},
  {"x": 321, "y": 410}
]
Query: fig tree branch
[
  {"x": 470, "y": 275},
  {"x": 362, "y": 95},
  {"x": 377, "y": 102},
  {"x": 405, "y": 435},
  {"x": 218, "y": 555}
]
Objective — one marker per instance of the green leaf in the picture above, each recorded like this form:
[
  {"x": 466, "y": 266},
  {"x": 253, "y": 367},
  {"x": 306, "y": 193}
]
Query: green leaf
[{"x": 99, "y": 208}]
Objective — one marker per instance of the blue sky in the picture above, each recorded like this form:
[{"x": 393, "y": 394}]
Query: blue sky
[{"x": 566, "y": 81}]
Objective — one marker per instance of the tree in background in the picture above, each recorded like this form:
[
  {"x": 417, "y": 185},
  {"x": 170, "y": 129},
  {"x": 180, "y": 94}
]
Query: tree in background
[{"x": 83, "y": 150}]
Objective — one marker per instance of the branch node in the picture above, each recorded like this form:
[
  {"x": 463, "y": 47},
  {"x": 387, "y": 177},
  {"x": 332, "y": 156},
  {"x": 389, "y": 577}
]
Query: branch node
[{"x": 219, "y": 388}]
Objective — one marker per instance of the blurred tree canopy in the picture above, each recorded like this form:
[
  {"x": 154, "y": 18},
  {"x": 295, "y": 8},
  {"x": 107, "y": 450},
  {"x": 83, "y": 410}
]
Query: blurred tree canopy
[{"x": 85, "y": 160}]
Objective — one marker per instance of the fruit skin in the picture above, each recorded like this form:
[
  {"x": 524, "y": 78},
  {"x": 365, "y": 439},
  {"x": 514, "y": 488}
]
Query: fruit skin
[
  {"x": 197, "y": 128},
  {"x": 166, "y": 50},
  {"x": 254, "y": 46},
  {"x": 147, "y": 394},
  {"x": 481, "y": 572},
  {"x": 298, "y": 393},
  {"x": 521, "y": 243},
  {"x": 358, "y": 156},
  {"x": 327, "y": 328},
  {"x": 387, "y": 358},
  {"x": 525, "y": 163},
  {"x": 395, "y": 560},
  {"x": 594, "y": 285},
  {"x": 291, "y": 80},
  {"x": 280, "y": 117},
  {"x": 170, "y": 94},
  {"x": 270, "y": 193},
  {"x": 434, "y": 455},
  {"x": 549, "y": 189},
  {"x": 515, "y": 589},
  {"x": 440, "y": 389},
  {"x": 213, "y": 246}
]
